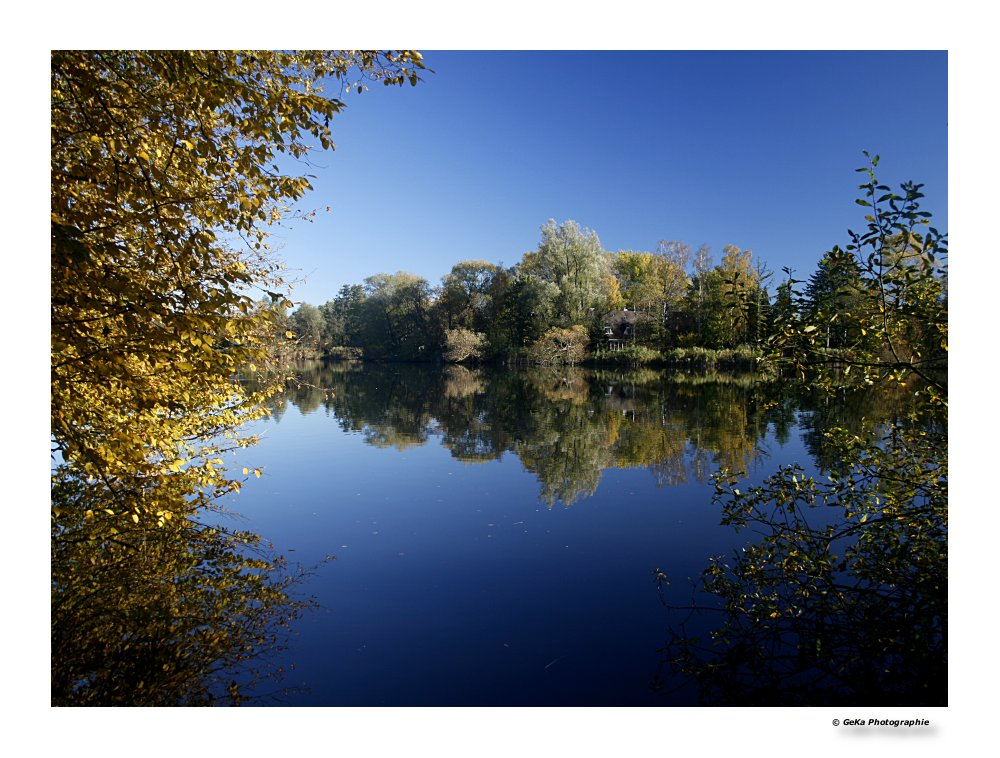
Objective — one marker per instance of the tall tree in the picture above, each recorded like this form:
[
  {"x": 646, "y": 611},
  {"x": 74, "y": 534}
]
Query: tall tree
[
  {"x": 572, "y": 260},
  {"x": 700, "y": 287},
  {"x": 465, "y": 294},
  {"x": 164, "y": 182},
  {"x": 163, "y": 189},
  {"x": 520, "y": 309},
  {"x": 640, "y": 277},
  {"x": 842, "y": 596},
  {"x": 835, "y": 298},
  {"x": 308, "y": 324},
  {"x": 397, "y": 317},
  {"x": 720, "y": 298},
  {"x": 760, "y": 304},
  {"x": 740, "y": 290},
  {"x": 343, "y": 317},
  {"x": 675, "y": 257}
]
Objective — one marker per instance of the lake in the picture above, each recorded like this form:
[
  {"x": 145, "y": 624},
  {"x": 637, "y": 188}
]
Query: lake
[{"x": 496, "y": 532}]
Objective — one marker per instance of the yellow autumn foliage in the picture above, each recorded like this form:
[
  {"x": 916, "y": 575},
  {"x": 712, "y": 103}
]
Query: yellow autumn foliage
[
  {"x": 169, "y": 169},
  {"x": 165, "y": 183}
]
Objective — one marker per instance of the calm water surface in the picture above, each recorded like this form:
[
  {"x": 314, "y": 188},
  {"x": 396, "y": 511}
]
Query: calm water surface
[{"x": 495, "y": 533}]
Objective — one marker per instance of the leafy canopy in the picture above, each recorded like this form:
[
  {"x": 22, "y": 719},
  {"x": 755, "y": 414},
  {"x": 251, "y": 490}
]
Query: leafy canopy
[
  {"x": 843, "y": 596},
  {"x": 165, "y": 182},
  {"x": 167, "y": 176}
]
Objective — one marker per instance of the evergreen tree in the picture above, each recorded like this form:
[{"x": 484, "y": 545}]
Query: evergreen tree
[{"x": 835, "y": 296}]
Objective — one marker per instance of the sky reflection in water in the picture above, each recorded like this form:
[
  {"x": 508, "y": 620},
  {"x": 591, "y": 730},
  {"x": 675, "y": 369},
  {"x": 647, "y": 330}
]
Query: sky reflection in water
[{"x": 524, "y": 579}]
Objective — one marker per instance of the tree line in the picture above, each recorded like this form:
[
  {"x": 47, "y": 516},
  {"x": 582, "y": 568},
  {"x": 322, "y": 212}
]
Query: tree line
[
  {"x": 840, "y": 594},
  {"x": 558, "y": 305},
  {"x": 165, "y": 184}
]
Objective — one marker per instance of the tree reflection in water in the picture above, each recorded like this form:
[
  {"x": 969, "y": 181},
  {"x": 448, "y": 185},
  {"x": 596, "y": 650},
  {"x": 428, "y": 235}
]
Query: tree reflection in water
[
  {"x": 189, "y": 613},
  {"x": 841, "y": 597},
  {"x": 567, "y": 425}
]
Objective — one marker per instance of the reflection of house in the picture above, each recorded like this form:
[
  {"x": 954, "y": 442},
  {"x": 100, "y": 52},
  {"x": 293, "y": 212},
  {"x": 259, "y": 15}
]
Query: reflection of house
[
  {"x": 621, "y": 399},
  {"x": 620, "y": 327}
]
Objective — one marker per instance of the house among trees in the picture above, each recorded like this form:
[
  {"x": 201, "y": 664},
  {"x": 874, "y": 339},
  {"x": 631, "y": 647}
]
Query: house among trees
[{"x": 620, "y": 327}]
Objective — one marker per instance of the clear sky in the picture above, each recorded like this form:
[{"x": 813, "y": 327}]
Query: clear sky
[{"x": 755, "y": 149}]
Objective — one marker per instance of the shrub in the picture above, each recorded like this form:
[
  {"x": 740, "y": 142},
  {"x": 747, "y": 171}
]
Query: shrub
[
  {"x": 463, "y": 344},
  {"x": 560, "y": 346}
]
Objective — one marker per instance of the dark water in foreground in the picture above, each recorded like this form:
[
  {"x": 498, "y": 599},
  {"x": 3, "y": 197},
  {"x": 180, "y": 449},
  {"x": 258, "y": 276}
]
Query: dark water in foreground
[{"x": 496, "y": 533}]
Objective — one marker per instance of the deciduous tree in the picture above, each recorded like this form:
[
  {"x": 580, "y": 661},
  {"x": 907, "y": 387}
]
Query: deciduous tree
[
  {"x": 397, "y": 320},
  {"x": 465, "y": 294},
  {"x": 572, "y": 261},
  {"x": 842, "y": 597},
  {"x": 164, "y": 185},
  {"x": 561, "y": 346},
  {"x": 168, "y": 170},
  {"x": 463, "y": 344}
]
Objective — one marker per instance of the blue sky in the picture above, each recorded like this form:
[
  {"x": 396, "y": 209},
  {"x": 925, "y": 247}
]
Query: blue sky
[{"x": 756, "y": 149}]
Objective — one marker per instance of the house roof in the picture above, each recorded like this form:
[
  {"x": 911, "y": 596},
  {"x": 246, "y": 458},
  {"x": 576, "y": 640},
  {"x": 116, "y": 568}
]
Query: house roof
[{"x": 621, "y": 318}]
